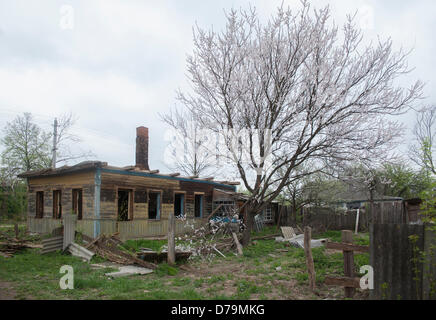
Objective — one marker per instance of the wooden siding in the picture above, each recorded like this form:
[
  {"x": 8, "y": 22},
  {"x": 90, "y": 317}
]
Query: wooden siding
[
  {"x": 127, "y": 229},
  {"x": 107, "y": 222}
]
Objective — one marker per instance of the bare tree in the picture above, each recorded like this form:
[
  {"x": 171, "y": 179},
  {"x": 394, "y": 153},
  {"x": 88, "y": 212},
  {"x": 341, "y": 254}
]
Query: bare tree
[
  {"x": 188, "y": 153},
  {"x": 65, "y": 139},
  {"x": 291, "y": 91},
  {"x": 421, "y": 152}
]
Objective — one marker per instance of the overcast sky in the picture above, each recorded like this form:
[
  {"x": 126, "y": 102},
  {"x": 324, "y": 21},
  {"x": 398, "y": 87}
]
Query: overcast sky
[{"x": 116, "y": 64}]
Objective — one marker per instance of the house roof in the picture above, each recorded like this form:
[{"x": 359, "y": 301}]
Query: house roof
[{"x": 129, "y": 170}]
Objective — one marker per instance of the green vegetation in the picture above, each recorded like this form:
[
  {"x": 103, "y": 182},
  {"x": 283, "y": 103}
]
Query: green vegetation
[{"x": 267, "y": 270}]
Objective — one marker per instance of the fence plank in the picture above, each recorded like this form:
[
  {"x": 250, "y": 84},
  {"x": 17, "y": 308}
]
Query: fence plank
[
  {"x": 398, "y": 271},
  {"x": 346, "y": 246}
]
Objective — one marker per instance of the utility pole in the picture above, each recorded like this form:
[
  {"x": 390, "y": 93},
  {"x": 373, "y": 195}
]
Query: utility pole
[{"x": 55, "y": 137}]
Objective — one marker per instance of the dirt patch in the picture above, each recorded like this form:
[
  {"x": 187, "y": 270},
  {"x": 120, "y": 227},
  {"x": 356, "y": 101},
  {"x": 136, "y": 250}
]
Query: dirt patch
[{"x": 7, "y": 292}]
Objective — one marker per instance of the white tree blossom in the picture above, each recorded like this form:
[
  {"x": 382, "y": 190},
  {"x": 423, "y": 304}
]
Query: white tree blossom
[{"x": 303, "y": 90}]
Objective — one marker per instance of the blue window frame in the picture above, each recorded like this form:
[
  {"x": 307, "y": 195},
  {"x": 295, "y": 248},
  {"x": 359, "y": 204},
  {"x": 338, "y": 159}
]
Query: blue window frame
[
  {"x": 198, "y": 205},
  {"x": 154, "y": 205}
]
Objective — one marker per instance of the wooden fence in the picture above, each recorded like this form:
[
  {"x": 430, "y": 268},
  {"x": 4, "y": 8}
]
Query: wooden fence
[
  {"x": 399, "y": 270},
  {"x": 322, "y": 219},
  {"x": 326, "y": 218}
]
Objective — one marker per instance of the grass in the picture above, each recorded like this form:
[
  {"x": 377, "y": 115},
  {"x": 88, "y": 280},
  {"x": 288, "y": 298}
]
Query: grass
[
  {"x": 267, "y": 270},
  {"x": 135, "y": 245}
]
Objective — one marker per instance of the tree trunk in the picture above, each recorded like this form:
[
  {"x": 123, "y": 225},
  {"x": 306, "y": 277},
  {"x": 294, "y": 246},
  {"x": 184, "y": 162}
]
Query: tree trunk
[
  {"x": 371, "y": 206},
  {"x": 249, "y": 215}
]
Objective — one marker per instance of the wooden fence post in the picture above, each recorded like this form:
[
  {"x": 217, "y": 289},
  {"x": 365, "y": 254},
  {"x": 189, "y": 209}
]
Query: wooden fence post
[
  {"x": 17, "y": 232},
  {"x": 309, "y": 258},
  {"x": 171, "y": 239},
  {"x": 347, "y": 237}
]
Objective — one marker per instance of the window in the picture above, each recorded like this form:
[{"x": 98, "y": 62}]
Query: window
[
  {"x": 267, "y": 216},
  {"x": 227, "y": 208},
  {"x": 154, "y": 205},
  {"x": 179, "y": 204},
  {"x": 77, "y": 203},
  {"x": 57, "y": 204},
  {"x": 125, "y": 205},
  {"x": 198, "y": 206},
  {"x": 39, "y": 206}
]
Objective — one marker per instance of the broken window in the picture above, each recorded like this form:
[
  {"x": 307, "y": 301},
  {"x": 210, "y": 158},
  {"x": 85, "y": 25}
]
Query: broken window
[
  {"x": 227, "y": 208},
  {"x": 154, "y": 205},
  {"x": 179, "y": 202},
  {"x": 57, "y": 204},
  {"x": 124, "y": 205},
  {"x": 77, "y": 203},
  {"x": 267, "y": 214},
  {"x": 39, "y": 206},
  {"x": 198, "y": 206}
]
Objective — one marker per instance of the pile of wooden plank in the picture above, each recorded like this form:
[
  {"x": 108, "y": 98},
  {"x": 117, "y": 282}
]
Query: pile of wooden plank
[
  {"x": 9, "y": 246},
  {"x": 107, "y": 247}
]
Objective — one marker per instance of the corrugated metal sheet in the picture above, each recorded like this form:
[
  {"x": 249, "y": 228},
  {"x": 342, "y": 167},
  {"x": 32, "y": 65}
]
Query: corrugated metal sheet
[
  {"x": 52, "y": 244},
  {"x": 79, "y": 251}
]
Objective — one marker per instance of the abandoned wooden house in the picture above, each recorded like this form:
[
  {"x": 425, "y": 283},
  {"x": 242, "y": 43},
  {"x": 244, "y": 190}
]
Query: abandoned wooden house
[{"x": 134, "y": 201}]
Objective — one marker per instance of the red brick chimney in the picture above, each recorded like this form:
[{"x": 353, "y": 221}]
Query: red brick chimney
[{"x": 142, "y": 148}]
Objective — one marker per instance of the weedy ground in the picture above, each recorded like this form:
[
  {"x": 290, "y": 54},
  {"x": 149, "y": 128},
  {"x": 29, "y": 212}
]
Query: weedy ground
[{"x": 267, "y": 270}]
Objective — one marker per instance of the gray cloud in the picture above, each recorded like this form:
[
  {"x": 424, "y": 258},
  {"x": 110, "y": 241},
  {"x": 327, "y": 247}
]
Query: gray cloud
[{"x": 123, "y": 60}]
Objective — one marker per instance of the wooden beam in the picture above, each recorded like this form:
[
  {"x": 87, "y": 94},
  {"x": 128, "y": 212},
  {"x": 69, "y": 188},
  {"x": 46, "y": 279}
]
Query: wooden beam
[
  {"x": 193, "y": 177},
  {"x": 175, "y": 174},
  {"x": 154, "y": 171},
  {"x": 346, "y": 247},
  {"x": 171, "y": 239},
  {"x": 350, "y": 282},
  {"x": 347, "y": 237},
  {"x": 238, "y": 244},
  {"x": 309, "y": 258}
]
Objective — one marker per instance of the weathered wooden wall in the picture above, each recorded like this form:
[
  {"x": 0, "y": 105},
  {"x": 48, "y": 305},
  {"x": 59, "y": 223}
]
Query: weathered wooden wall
[
  {"x": 398, "y": 270},
  {"x": 127, "y": 229},
  {"x": 141, "y": 186},
  {"x": 105, "y": 220},
  {"x": 65, "y": 183},
  {"x": 389, "y": 212}
]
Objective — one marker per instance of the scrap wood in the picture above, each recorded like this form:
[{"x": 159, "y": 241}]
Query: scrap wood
[
  {"x": 238, "y": 244},
  {"x": 11, "y": 246},
  {"x": 288, "y": 232},
  {"x": 5, "y": 255},
  {"x": 107, "y": 247},
  {"x": 21, "y": 245},
  {"x": 266, "y": 237}
]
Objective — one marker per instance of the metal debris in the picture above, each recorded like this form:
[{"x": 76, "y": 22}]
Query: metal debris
[
  {"x": 52, "y": 244},
  {"x": 79, "y": 251},
  {"x": 128, "y": 270}
]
